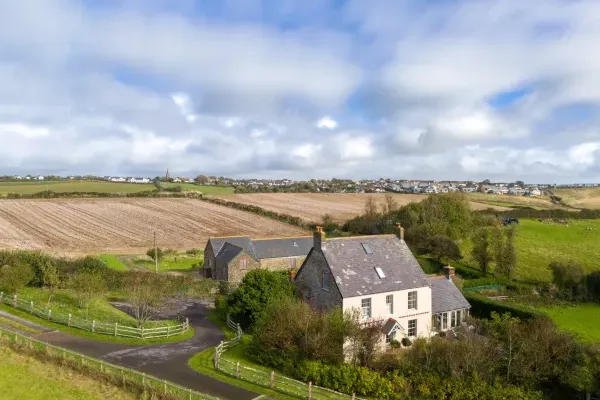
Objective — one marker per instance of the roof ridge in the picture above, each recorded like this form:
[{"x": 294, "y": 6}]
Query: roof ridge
[
  {"x": 282, "y": 237},
  {"x": 364, "y": 236},
  {"x": 227, "y": 237}
]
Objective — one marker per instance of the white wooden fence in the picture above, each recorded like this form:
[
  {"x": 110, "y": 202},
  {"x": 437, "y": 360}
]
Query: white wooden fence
[
  {"x": 271, "y": 379},
  {"x": 115, "y": 373},
  {"x": 104, "y": 328}
]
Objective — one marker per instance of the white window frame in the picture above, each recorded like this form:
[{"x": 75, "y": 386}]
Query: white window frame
[
  {"x": 444, "y": 321},
  {"x": 453, "y": 319},
  {"x": 366, "y": 307},
  {"x": 412, "y": 303},
  {"x": 389, "y": 304},
  {"x": 414, "y": 328}
]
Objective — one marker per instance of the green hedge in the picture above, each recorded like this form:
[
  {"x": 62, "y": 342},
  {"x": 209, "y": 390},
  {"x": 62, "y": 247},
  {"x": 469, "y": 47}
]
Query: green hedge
[{"x": 482, "y": 307}]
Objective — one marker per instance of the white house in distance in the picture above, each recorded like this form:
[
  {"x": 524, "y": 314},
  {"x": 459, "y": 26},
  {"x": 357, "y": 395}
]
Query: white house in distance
[{"x": 380, "y": 276}]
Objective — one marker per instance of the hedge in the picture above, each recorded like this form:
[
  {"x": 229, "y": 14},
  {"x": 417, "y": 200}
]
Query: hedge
[
  {"x": 49, "y": 194},
  {"x": 482, "y": 307},
  {"x": 531, "y": 213}
]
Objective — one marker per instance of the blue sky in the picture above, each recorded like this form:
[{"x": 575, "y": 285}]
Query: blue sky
[{"x": 300, "y": 89}]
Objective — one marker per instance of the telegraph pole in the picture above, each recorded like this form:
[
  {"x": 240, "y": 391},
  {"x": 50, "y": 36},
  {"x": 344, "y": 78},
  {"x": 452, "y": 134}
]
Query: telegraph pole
[{"x": 155, "y": 255}]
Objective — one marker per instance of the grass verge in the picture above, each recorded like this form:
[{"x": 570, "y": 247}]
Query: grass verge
[
  {"x": 112, "y": 261},
  {"x": 9, "y": 323}
]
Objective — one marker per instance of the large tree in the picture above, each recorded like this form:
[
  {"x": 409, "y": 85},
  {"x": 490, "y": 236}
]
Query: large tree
[
  {"x": 15, "y": 277},
  {"x": 148, "y": 294},
  {"x": 87, "y": 287},
  {"x": 481, "y": 249}
]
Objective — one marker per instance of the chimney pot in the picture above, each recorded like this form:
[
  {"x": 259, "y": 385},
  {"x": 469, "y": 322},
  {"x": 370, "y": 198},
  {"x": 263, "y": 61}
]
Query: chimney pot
[
  {"x": 449, "y": 272},
  {"x": 319, "y": 238},
  {"x": 400, "y": 231}
]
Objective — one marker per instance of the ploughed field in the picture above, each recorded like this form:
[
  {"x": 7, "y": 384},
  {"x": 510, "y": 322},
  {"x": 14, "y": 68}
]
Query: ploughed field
[
  {"x": 312, "y": 206},
  {"x": 78, "y": 226},
  {"x": 580, "y": 197}
]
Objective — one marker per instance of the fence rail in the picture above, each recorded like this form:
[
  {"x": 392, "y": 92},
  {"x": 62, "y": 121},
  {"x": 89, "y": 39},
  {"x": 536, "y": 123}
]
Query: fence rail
[
  {"x": 104, "y": 328},
  {"x": 114, "y": 373},
  {"x": 271, "y": 379}
]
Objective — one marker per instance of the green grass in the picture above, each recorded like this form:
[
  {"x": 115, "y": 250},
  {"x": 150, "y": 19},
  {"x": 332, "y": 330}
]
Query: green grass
[
  {"x": 583, "y": 320},
  {"x": 78, "y": 186},
  {"x": 112, "y": 261},
  {"x": 179, "y": 262},
  {"x": 26, "y": 378},
  {"x": 539, "y": 244},
  {"x": 9, "y": 323}
]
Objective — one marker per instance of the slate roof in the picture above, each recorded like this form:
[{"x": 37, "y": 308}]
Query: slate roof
[
  {"x": 445, "y": 296},
  {"x": 261, "y": 248},
  {"x": 284, "y": 247},
  {"x": 389, "y": 325},
  {"x": 229, "y": 252},
  {"x": 354, "y": 269}
]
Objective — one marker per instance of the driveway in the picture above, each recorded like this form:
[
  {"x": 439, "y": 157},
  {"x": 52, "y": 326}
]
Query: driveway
[{"x": 165, "y": 361}]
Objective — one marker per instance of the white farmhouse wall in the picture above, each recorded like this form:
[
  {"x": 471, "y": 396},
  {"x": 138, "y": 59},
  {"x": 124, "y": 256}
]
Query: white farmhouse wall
[{"x": 401, "y": 312}]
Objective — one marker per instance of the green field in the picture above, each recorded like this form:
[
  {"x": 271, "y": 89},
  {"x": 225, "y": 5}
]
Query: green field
[
  {"x": 177, "y": 262},
  {"x": 112, "y": 261},
  {"x": 78, "y": 186},
  {"x": 26, "y": 378},
  {"x": 583, "y": 320},
  {"x": 539, "y": 244}
]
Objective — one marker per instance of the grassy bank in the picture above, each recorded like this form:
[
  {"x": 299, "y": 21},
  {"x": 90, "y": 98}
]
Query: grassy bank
[
  {"x": 26, "y": 378},
  {"x": 174, "y": 262},
  {"x": 112, "y": 261},
  {"x": 582, "y": 320}
]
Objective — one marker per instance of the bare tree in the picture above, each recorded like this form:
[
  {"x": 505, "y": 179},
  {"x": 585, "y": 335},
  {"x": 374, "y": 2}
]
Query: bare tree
[
  {"x": 88, "y": 287},
  {"x": 149, "y": 294},
  {"x": 389, "y": 205},
  {"x": 50, "y": 279}
]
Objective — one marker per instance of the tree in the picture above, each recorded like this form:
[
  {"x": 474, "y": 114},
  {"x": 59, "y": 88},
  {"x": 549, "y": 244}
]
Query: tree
[
  {"x": 509, "y": 254},
  {"x": 568, "y": 276},
  {"x": 328, "y": 224},
  {"x": 497, "y": 246},
  {"x": 201, "y": 179},
  {"x": 505, "y": 328},
  {"x": 154, "y": 254},
  {"x": 443, "y": 248},
  {"x": 389, "y": 204},
  {"x": 520, "y": 183},
  {"x": 370, "y": 211},
  {"x": 88, "y": 287},
  {"x": 15, "y": 277},
  {"x": 50, "y": 279},
  {"x": 480, "y": 251},
  {"x": 258, "y": 288},
  {"x": 149, "y": 294}
]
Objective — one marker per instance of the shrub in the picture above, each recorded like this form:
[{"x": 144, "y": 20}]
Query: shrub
[
  {"x": 394, "y": 344},
  {"x": 443, "y": 248},
  {"x": 155, "y": 253},
  {"x": 482, "y": 307},
  {"x": 406, "y": 342},
  {"x": 193, "y": 252},
  {"x": 15, "y": 277}
]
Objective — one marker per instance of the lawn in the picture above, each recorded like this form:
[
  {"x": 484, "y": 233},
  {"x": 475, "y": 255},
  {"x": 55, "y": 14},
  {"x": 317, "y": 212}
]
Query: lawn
[
  {"x": 539, "y": 243},
  {"x": 112, "y": 261},
  {"x": 176, "y": 262},
  {"x": 26, "y": 378},
  {"x": 583, "y": 320}
]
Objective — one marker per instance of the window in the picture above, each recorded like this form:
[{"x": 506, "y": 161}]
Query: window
[
  {"x": 380, "y": 273},
  {"x": 367, "y": 248},
  {"x": 243, "y": 263},
  {"x": 459, "y": 317},
  {"x": 366, "y": 308},
  {"x": 324, "y": 280},
  {"x": 412, "y": 327},
  {"x": 453, "y": 319},
  {"x": 390, "y": 337},
  {"x": 389, "y": 304},
  {"x": 292, "y": 263},
  {"x": 436, "y": 322},
  {"x": 445, "y": 321},
  {"x": 412, "y": 300}
]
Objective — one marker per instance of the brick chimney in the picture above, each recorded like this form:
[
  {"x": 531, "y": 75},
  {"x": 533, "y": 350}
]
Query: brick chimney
[
  {"x": 449, "y": 272},
  {"x": 400, "y": 231},
  {"x": 319, "y": 238}
]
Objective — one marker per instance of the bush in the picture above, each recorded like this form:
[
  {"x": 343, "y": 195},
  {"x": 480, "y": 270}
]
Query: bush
[
  {"x": 406, "y": 342},
  {"x": 394, "y": 344},
  {"x": 443, "y": 248},
  {"x": 155, "y": 253},
  {"x": 193, "y": 252},
  {"x": 15, "y": 277},
  {"x": 482, "y": 307}
]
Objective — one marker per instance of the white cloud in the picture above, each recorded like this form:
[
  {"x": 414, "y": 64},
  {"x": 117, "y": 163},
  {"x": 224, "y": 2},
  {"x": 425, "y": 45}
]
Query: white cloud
[
  {"x": 327, "y": 122},
  {"x": 584, "y": 153},
  {"x": 24, "y": 130},
  {"x": 353, "y": 148}
]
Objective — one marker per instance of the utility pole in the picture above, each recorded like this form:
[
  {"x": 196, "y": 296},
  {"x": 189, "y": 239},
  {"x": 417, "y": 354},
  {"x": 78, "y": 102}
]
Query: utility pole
[{"x": 155, "y": 255}]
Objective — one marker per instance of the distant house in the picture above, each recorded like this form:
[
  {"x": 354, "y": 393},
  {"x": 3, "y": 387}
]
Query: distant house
[
  {"x": 534, "y": 192},
  {"x": 18, "y": 177},
  {"x": 379, "y": 276},
  {"x": 40, "y": 178},
  {"x": 138, "y": 180},
  {"x": 230, "y": 258},
  {"x": 117, "y": 179}
]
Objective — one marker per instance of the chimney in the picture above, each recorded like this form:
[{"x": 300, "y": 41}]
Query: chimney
[
  {"x": 292, "y": 274},
  {"x": 449, "y": 272},
  {"x": 319, "y": 238},
  {"x": 400, "y": 231}
]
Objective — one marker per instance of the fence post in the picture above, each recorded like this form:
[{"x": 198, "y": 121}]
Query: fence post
[
  {"x": 15, "y": 300},
  {"x": 190, "y": 393},
  {"x": 165, "y": 386},
  {"x": 93, "y": 325},
  {"x": 31, "y": 307},
  {"x": 82, "y": 360},
  {"x": 272, "y": 379},
  {"x": 1, "y": 296},
  {"x": 116, "y": 328},
  {"x": 143, "y": 378},
  {"x": 49, "y": 314},
  {"x": 69, "y": 323},
  {"x": 353, "y": 396},
  {"x": 101, "y": 366},
  {"x": 123, "y": 376},
  {"x": 237, "y": 370},
  {"x": 168, "y": 330},
  {"x": 187, "y": 323},
  {"x": 142, "y": 332},
  {"x": 309, "y": 390}
]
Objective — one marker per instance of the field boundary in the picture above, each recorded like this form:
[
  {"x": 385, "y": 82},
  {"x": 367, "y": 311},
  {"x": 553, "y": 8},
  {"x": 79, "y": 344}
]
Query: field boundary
[
  {"x": 112, "y": 329},
  {"x": 115, "y": 374},
  {"x": 272, "y": 380}
]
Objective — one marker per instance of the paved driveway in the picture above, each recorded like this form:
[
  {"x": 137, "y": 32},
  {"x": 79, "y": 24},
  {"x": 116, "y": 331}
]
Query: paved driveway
[{"x": 166, "y": 361}]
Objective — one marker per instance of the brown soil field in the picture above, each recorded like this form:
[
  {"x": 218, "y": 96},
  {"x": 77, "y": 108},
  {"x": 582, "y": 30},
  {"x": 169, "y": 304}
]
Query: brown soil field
[
  {"x": 312, "y": 206},
  {"x": 541, "y": 202},
  {"x": 125, "y": 226},
  {"x": 583, "y": 198}
]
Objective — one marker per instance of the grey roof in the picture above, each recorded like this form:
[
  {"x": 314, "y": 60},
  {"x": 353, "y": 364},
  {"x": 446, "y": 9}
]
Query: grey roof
[
  {"x": 229, "y": 252},
  {"x": 264, "y": 248},
  {"x": 284, "y": 247},
  {"x": 354, "y": 270},
  {"x": 389, "y": 326},
  {"x": 445, "y": 296}
]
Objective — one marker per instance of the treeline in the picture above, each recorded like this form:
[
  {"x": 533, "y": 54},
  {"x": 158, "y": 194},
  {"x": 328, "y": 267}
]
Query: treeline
[
  {"x": 503, "y": 358},
  {"x": 49, "y": 194}
]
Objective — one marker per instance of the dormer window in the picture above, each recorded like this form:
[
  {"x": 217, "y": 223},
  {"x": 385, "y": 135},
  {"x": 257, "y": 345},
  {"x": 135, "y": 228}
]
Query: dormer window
[
  {"x": 367, "y": 248},
  {"x": 380, "y": 273}
]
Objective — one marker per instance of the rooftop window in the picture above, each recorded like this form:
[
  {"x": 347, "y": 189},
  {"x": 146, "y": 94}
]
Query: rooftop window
[
  {"x": 380, "y": 272},
  {"x": 367, "y": 248}
]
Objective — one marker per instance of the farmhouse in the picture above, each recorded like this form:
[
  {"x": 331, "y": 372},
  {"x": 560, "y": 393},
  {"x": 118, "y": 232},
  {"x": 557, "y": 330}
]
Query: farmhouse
[
  {"x": 230, "y": 258},
  {"x": 379, "y": 276}
]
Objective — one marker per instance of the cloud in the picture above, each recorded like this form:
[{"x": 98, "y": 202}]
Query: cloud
[{"x": 327, "y": 122}]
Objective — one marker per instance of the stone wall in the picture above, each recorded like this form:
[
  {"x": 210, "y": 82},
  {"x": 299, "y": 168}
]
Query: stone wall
[
  {"x": 309, "y": 285},
  {"x": 235, "y": 273},
  {"x": 209, "y": 262},
  {"x": 282, "y": 264}
]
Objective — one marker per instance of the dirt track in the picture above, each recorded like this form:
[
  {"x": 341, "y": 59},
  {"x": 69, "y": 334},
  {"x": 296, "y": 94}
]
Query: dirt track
[{"x": 79, "y": 226}]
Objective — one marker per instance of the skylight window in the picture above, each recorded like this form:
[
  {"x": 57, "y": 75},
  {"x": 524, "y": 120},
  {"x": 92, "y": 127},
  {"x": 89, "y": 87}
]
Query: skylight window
[
  {"x": 367, "y": 248},
  {"x": 380, "y": 272}
]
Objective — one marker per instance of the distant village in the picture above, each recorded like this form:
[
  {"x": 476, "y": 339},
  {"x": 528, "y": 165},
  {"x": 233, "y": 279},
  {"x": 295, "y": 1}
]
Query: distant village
[{"x": 517, "y": 188}]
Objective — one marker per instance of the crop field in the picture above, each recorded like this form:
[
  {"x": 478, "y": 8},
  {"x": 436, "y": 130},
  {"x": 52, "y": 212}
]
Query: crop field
[
  {"x": 312, "y": 206},
  {"x": 125, "y": 226},
  {"x": 580, "y": 198},
  {"x": 78, "y": 186},
  {"x": 505, "y": 200}
]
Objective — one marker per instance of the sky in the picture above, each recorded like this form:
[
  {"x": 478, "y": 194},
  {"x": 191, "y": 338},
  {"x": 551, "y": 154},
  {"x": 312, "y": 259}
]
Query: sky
[{"x": 415, "y": 89}]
